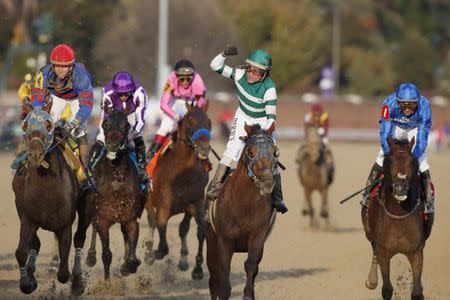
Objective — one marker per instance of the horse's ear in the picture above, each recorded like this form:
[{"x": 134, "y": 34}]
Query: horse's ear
[
  {"x": 48, "y": 107},
  {"x": 391, "y": 143},
  {"x": 108, "y": 109},
  {"x": 206, "y": 106},
  {"x": 270, "y": 130},
  {"x": 189, "y": 106},
  {"x": 248, "y": 130},
  {"x": 411, "y": 143},
  {"x": 25, "y": 109}
]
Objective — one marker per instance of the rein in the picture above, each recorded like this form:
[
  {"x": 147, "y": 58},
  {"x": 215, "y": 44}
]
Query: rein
[{"x": 416, "y": 206}]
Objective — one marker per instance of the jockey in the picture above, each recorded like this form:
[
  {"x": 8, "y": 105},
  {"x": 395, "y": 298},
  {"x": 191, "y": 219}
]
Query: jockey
[
  {"x": 123, "y": 93},
  {"x": 25, "y": 89},
  {"x": 318, "y": 118},
  {"x": 183, "y": 84},
  {"x": 405, "y": 114},
  {"x": 257, "y": 105},
  {"x": 66, "y": 82}
]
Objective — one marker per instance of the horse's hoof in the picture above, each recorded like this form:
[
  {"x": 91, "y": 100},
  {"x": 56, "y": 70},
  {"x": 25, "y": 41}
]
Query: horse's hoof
[
  {"x": 159, "y": 254},
  {"x": 247, "y": 298},
  {"x": 197, "y": 273},
  {"x": 324, "y": 214},
  {"x": 305, "y": 212},
  {"x": 77, "y": 286},
  {"x": 371, "y": 285},
  {"x": 91, "y": 259},
  {"x": 417, "y": 297},
  {"x": 149, "y": 245},
  {"x": 149, "y": 258},
  {"x": 183, "y": 264},
  {"x": 27, "y": 286},
  {"x": 63, "y": 277},
  {"x": 124, "y": 270},
  {"x": 55, "y": 261}
]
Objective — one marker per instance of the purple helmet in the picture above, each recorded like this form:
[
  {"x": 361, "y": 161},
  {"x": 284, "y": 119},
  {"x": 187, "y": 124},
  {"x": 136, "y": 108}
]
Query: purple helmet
[{"x": 123, "y": 83}]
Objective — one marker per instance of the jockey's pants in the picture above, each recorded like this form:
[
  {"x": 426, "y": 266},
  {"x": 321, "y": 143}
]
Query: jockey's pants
[
  {"x": 169, "y": 125},
  {"x": 235, "y": 144},
  {"x": 58, "y": 108},
  {"x": 400, "y": 133}
]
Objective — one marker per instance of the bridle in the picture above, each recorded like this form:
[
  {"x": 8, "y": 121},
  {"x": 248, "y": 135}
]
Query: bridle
[{"x": 265, "y": 146}]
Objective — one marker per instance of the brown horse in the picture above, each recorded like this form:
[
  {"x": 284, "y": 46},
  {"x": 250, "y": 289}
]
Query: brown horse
[
  {"x": 313, "y": 172},
  {"x": 120, "y": 198},
  {"x": 47, "y": 196},
  {"x": 243, "y": 213},
  {"x": 179, "y": 183},
  {"x": 394, "y": 222}
]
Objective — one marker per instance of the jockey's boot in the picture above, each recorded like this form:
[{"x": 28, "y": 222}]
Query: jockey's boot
[
  {"x": 155, "y": 146},
  {"x": 329, "y": 163},
  {"x": 83, "y": 148},
  {"x": 426, "y": 184},
  {"x": 374, "y": 174},
  {"x": 96, "y": 153},
  {"x": 18, "y": 161},
  {"x": 277, "y": 195},
  {"x": 139, "y": 147},
  {"x": 215, "y": 184}
]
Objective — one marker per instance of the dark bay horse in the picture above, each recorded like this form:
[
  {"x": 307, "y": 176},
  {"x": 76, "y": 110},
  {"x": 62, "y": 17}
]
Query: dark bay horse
[
  {"x": 47, "y": 196},
  {"x": 394, "y": 221},
  {"x": 313, "y": 173},
  {"x": 243, "y": 213},
  {"x": 179, "y": 183},
  {"x": 119, "y": 198}
]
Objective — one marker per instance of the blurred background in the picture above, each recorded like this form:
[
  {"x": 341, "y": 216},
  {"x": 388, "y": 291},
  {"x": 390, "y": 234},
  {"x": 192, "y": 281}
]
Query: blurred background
[{"x": 347, "y": 55}]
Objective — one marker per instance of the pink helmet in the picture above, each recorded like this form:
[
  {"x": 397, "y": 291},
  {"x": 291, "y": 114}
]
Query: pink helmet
[{"x": 317, "y": 108}]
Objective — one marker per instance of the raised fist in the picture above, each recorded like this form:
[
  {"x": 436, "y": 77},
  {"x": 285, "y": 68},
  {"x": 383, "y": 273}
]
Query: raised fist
[{"x": 231, "y": 50}]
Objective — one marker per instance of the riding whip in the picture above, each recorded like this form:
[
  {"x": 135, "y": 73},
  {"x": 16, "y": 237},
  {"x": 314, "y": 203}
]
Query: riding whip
[{"x": 362, "y": 190}]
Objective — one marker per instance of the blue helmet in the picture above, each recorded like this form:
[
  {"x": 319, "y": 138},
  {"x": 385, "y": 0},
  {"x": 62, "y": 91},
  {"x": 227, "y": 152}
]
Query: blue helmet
[{"x": 407, "y": 92}]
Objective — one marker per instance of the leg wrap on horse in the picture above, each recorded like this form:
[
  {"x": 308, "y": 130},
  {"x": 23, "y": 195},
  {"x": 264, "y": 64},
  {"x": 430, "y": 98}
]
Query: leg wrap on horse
[
  {"x": 374, "y": 174},
  {"x": 139, "y": 147},
  {"x": 426, "y": 185},
  {"x": 277, "y": 195},
  {"x": 216, "y": 182}
]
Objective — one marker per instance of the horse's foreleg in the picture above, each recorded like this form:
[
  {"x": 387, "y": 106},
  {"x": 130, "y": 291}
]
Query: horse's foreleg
[
  {"x": 151, "y": 217},
  {"x": 372, "y": 279},
  {"x": 384, "y": 262},
  {"x": 224, "y": 254},
  {"x": 197, "y": 273},
  {"x": 64, "y": 243},
  {"x": 54, "y": 263},
  {"x": 255, "y": 253},
  {"x": 84, "y": 220},
  {"x": 183, "y": 230},
  {"x": 27, "y": 231},
  {"x": 324, "y": 208},
  {"x": 416, "y": 260},
  {"x": 35, "y": 246},
  {"x": 308, "y": 210},
  {"x": 161, "y": 222},
  {"x": 212, "y": 255},
  {"x": 130, "y": 233},
  {"x": 91, "y": 258},
  {"x": 103, "y": 232}
]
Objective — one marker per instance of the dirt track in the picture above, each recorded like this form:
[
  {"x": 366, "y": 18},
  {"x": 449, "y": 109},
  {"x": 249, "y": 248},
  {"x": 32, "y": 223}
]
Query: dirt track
[{"x": 298, "y": 263}]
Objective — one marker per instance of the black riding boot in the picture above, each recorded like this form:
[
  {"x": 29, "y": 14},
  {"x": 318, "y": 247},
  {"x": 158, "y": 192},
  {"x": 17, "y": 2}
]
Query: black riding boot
[
  {"x": 374, "y": 174},
  {"x": 139, "y": 147},
  {"x": 154, "y": 147},
  {"x": 96, "y": 153},
  {"x": 426, "y": 185},
  {"x": 277, "y": 195},
  {"x": 216, "y": 183},
  {"x": 83, "y": 149}
]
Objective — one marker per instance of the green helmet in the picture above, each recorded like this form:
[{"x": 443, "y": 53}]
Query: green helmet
[{"x": 260, "y": 59}]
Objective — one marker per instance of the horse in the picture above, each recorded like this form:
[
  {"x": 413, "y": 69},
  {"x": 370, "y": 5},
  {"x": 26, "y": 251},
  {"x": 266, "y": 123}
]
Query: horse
[
  {"x": 47, "y": 195},
  {"x": 120, "y": 198},
  {"x": 179, "y": 180},
  {"x": 242, "y": 215},
  {"x": 313, "y": 172},
  {"x": 394, "y": 221}
]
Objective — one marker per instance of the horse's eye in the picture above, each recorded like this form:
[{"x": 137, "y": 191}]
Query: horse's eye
[
  {"x": 48, "y": 126},
  {"x": 105, "y": 124},
  {"x": 251, "y": 152},
  {"x": 24, "y": 126}
]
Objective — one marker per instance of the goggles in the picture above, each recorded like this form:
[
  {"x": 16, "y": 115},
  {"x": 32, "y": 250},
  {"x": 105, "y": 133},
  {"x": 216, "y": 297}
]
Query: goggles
[
  {"x": 185, "y": 78},
  {"x": 407, "y": 105},
  {"x": 124, "y": 95},
  {"x": 253, "y": 70}
]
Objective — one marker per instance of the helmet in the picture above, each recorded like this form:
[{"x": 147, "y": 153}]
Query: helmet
[
  {"x": 123, "y": 83},
  {"x": 260, "y": 59},
  {"x": 62, "y": 55},
  {"x": 407, "y": 92},
  {"x": 184, "y": 67},
  {"x": 317, "y": 108}
]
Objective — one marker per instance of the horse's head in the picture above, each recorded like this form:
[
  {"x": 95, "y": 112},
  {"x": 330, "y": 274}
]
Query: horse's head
[
  {"x": 400, "y": 167},
  {"x": 195, "y": 130},
  {"x": 260, "y": 156},
  {"x": 313, "y": 144},
  {"x": 38, "y": 134},
  {"x": 116, "y": 128}
]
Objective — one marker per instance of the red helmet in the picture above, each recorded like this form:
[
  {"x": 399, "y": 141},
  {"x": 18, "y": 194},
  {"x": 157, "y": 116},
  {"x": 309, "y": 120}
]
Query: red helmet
[
  {"x": 62, "y": 55},
  {"x": 317, "y": 108}
]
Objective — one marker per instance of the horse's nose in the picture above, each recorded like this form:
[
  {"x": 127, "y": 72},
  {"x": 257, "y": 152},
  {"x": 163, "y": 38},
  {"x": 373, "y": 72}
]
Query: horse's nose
[{"x": 400, "y": 189}]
